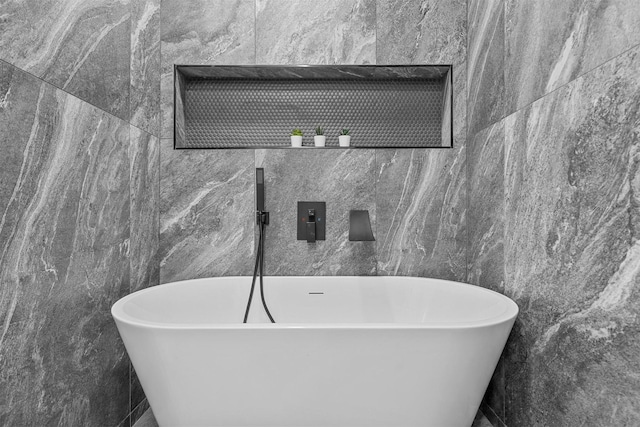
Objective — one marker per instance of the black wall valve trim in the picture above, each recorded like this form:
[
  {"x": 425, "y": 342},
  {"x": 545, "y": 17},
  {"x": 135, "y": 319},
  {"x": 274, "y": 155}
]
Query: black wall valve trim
[{"x": 311, "y": 221}]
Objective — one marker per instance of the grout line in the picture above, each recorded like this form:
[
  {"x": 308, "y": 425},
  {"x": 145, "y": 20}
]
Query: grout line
[
  {"x": 130, "y": 378},
  {"x": 64, "y": 91},
  {"x": 159, "y": 161},
  {"x": 491, "y": 415},
  {"x": 376, "y": 253},
  {"x": 554, "y": 90},
  {"x": 139, "y": 405},
  {"x": 375, "y": 30},
  {"x": 74, "y": 96},
  {"x": 131, "y": 18},
  {"x": 468, "y": 149},
  {"x": 572, "y": 80}
]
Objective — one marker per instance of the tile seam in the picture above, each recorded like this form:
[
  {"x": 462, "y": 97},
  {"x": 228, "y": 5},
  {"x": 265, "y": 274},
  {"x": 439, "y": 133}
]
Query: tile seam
[
  {"x": 63, "y": 90},
  {"x": 493, "y": 122},
  {"x": 570, "y": 81}
]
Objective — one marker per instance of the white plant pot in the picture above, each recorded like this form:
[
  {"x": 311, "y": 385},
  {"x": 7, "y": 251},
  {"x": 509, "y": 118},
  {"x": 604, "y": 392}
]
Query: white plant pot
[
  {"x": 296, "y": 141},
  {"x": 344, "y": 140},
  {"x": 319, "y": 140}
]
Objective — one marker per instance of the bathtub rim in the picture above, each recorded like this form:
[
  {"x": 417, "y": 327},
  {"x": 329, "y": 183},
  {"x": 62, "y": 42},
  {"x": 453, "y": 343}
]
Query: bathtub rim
[{"x": 508, "y": 315}]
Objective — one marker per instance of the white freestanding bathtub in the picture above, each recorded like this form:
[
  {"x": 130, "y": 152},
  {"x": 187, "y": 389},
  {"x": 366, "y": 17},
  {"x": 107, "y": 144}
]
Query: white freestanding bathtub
[{"x": 345, "y": 351}]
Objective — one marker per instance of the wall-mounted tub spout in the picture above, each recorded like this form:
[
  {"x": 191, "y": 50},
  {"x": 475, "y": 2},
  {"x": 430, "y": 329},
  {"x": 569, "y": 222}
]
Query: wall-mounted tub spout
[{"x": 360, "y": 226}]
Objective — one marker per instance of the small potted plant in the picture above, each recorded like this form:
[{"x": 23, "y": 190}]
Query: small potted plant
[
  {"x": 296, "y": 137},
  {"x": 344, "y": 139},
  {"x": 319, "y": 139}
]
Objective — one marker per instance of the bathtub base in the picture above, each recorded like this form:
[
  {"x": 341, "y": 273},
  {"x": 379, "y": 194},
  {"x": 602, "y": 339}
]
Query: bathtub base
[{"x": 323, "y": 378}]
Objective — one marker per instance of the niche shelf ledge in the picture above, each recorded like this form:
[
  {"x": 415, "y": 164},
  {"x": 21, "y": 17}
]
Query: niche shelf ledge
[{"x": 384, "y": 106}]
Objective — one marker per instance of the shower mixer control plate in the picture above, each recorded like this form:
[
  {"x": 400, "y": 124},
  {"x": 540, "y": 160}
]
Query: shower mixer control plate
[{"x": 311, "y": 215}]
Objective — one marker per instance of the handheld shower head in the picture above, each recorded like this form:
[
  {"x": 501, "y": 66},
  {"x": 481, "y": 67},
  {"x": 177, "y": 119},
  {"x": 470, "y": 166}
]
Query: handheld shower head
[
  {"x": 260, "y": 189},
  {"x": 262, "y": 217}
]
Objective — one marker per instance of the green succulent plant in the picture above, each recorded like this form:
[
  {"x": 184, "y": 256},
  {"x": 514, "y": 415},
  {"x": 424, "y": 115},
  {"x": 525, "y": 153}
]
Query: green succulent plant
[
  {"x": 319, "y": 131},
  {"x": 296, "y": 132},
  {"x": 344, "y": 132}
]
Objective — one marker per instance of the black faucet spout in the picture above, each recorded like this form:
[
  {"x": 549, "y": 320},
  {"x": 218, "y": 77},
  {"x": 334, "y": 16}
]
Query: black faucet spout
[{"x": 360, "y": 226}]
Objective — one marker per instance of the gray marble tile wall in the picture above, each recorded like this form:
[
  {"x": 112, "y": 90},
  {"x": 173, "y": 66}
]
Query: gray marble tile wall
[
  {"x": 145, "y": 66},
  {"x": 144, "y": 216},
  {"x": 81, "y": 47},
  {"x": 79, "y": 106},
  {"x": 549, "y": 43},
  {"x": 421, "y": 194},
  {"x": 553, "y": 206},
  {"x": 64, "y": 256},
  {"x": 416, "y": 198},
  {"x": 207, "y": 213},
  {"x": 328, "y": 32},
  {"x": 485, "y": 78}
]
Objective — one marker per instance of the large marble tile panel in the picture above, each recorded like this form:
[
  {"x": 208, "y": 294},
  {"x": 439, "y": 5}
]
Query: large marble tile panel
[
  {"x": 421, "y": 203},
  {"x": 549, "y": 43},
  {"x": 327, "y": 32},
  {"x": 421, "y": 31},
  {"x": 572, "y": 251},
  {"x": 345, "y": 180},
  {"x": 485, "y": 214},
  {"x": 144, "y": 154},
  {"x": 79, "y": 46},
  {"x": 145, "y": 65},
  {"x": 421, "y": 194},
  {"x": 195, "y": 32},
  {"x": 485, "y": 79},
  {"x": 64, "y": 234},
  {"x": 206, "y": 212},
  {"x": 485, "y": 219}
]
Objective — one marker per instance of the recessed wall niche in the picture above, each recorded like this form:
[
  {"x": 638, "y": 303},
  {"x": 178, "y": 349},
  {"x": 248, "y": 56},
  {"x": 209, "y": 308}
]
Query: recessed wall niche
[{"x": 383, "y": 106}]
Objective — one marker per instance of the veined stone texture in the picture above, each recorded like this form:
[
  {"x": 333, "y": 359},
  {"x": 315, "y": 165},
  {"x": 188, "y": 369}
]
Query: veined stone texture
[
  {"x": 207, "y": 213},
  {"x": 485, "y": 61},
  {"x": 549, "y": 43},
  {"x": 485, "y": 214},
  {"x": 485, "y": 219},
  {"x": 81, "y": 46},
  {"x": 144, "y": 154},
  {"x": 64, "y": 236},
  {"x": 421, "y": 32},
  {"x": 572, "y": 253},
  {"x": 326, "y": 32},
  {"x": 345, "y": 180},
  {"x": 421, "y": 201},
  {"x": 203, "y": 32},
  {"x": 145, "y": 65},
  {"x": 421, "y": 194}
]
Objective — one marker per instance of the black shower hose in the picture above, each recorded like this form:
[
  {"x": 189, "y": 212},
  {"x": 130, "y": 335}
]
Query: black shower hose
[{"x": 259, "y": 265}]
